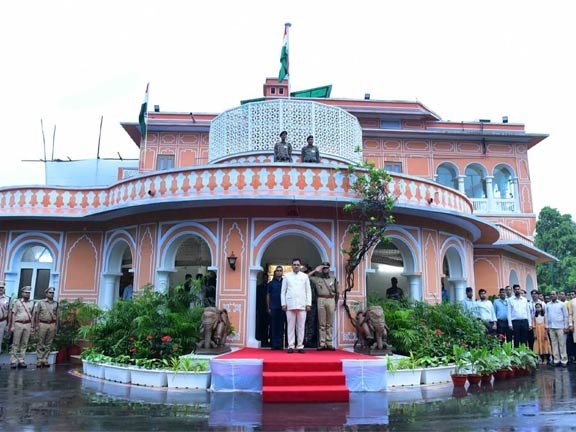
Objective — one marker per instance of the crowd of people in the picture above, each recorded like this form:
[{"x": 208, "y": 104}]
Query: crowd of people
[{"x": 544, "y": 323}]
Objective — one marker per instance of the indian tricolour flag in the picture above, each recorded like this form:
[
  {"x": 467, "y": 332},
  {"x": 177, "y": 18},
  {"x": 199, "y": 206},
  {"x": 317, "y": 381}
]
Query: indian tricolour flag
[
  {"x": 143, "y": 117},
  {"x": 284, "y": 63}
]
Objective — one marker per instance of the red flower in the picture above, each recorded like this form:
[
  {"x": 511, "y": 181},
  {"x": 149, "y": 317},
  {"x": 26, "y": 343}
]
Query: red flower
[
  {"x": 149, "y": 337},
  {"x": 130, "y": 339},
  {"x": 132, "y": 348},
  {"x": 166, "y": 339},
  {"x": 438, "y": 332}
]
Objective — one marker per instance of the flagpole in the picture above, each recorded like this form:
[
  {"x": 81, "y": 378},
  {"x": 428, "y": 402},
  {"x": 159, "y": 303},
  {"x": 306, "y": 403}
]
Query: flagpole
[{"x": 287, "y": 27}]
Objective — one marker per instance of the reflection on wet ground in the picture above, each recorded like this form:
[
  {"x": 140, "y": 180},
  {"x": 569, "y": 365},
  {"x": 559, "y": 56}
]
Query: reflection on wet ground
[{"x": 56, "y": 400}]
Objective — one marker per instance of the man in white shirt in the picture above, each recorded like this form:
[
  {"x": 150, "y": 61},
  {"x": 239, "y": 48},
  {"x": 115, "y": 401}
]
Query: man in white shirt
[
  {"x": 468, "y": 304},
  {"x": 557, "y": 323},
  {"x": 485, "y": 311},
  {"x": 519, "y": 317},
  {"x": 296, "y": 299}
]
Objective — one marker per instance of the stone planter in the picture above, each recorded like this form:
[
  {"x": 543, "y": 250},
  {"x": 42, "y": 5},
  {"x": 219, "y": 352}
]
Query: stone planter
[
  {"x": 117, "y": 373},
  {"x": 436, "y": 375},
  {"x": 404, "y": 377},
  {"x": 148, "y": 377},
  {"x": 95, "y": 370},
  {"x": 189, "y": 380}
]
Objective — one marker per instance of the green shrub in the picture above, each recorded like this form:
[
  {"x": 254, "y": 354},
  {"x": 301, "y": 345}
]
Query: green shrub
[{"x": 150, "y": 326}]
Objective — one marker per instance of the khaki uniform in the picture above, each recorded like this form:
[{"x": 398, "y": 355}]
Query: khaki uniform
[
  {"x": 22, "y": 322},
  {"x": 326, "y": 289},
  {"x": 4, "y": 310},
  {"x": 46, "y": 319}
]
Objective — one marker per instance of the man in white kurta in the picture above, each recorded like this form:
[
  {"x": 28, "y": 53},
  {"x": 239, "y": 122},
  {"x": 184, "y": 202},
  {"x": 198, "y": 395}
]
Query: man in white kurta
[{"x": 296, "y": 298}]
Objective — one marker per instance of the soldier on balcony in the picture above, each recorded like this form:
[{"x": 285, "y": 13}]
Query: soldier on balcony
[
  {"x": 283, "y": 149},
  {"x": 310, "y": 153}
]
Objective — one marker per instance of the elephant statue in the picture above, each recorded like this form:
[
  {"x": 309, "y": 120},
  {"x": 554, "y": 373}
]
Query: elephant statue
[
  {"x": 371, "y": 329},
  {"x": 214, "y": 329}
]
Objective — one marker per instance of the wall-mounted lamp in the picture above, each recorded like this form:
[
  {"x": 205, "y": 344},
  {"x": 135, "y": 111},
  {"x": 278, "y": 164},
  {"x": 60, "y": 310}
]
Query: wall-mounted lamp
[{"x": 232, "y": 261}]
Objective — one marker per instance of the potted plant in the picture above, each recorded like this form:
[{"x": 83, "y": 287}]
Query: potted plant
[
  {"x": 93, "y": 363},
  {"x": 190, "y": 373},
  {"x": 527, "y": 359},
  {"x": 461, "y": 362},
  {"x": 486, "y": 364},
  {"x": 503, "y": 363}
]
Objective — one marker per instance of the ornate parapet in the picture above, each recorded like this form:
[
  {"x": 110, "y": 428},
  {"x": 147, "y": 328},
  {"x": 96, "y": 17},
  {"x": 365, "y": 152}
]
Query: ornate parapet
[
  {"x": 256, "y": 127},
  {"x": 231, "y": 182}
]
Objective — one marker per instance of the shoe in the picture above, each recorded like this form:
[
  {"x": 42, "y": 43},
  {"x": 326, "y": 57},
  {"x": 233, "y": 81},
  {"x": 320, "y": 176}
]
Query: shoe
[
  {"x": 321, "y": 348},
  {"x": 39, "y": 365},
  {"x": 564, "y": 365},
  {"x": 330, "y": 348},
  {"x": 22, "y": 365},
  {"x": 13, "y": 365},
  {"x": 290, "y": 350},
  {"x": 301, "y": 351},
  {"x": 557, "y": 364}
]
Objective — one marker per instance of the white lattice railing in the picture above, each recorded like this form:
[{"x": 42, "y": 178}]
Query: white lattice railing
[
  {"x": 505, "y": 205},
  {"x": 480, "y": 204},
  {"x": 257, "y": 126}
]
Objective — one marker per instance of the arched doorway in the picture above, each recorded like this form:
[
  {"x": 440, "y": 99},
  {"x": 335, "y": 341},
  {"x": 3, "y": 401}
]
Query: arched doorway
[
  {"x": 34, "y": 269},
  {"x": 192, "y": 260},
  {"x": 454, "y": 280},
  {"x": 281, "y": 251},
  {"x": 513, "y": 279},
  {"x": 118, "y": 275}
]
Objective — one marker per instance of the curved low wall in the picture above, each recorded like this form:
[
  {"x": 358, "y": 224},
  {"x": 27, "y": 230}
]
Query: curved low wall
[{"x": 314, "y": 182}]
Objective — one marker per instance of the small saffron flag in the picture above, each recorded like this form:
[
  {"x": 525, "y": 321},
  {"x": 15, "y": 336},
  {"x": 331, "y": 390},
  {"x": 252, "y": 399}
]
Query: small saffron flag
[
  {"x": 284, "y": 62},
  {"x": 143, "y": 117}
]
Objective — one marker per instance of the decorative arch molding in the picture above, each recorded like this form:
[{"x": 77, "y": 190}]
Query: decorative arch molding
[
  {"x": 529, "y": 283},
  {"x": 113, "y": 247},
  {"x": 513, "y": 277},
  {"x": 504, "y": 165},
  {"x": 450, "y": 164},
  {"x": 409, "y": 247},
  {"x": 454, "y": 251},
  {"x": 16, "y": 247},
  {"x": 299, "y": 228},
  {"x": 173, "y": 238},
  {"x": 478, "y": 164}
]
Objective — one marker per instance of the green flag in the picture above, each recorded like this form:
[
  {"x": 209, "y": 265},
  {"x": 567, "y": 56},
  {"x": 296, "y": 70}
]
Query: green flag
[{"x": 284, "y": 63}]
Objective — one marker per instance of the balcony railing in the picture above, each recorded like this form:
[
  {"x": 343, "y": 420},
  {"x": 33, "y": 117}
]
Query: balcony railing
[{"x": 231, "y": 182}]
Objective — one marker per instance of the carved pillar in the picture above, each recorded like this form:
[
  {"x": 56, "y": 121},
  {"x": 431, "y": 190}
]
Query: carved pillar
[
  {"x": 415, "y": 285},
  {"x": 251, "y": 340},
  {"x": 163, "y": 280},
  {"x": 490, "y": 193},
  {"x": 459, "y": 289},
  {"x": 516, "y": 195}
]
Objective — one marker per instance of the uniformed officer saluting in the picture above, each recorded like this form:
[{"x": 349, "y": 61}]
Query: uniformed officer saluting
[
  {"x": 327, "y": 293},
  {"x": 283, "y": 149},
  {"x": 45, "y": 323},
  {"x": 20, "y": 324}
]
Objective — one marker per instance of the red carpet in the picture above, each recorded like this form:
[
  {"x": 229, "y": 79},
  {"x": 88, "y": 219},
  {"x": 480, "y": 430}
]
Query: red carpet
[{"x": 315, "y": 376}]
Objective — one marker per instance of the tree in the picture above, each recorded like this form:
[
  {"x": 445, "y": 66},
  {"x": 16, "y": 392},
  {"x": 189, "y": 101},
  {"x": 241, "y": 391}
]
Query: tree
[
  {"x": 556, "y": 234},
  {"x": 372, "y": 213}
]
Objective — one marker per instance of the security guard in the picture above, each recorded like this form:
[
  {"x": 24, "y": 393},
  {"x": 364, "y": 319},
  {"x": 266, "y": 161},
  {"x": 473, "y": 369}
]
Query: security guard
[
  {"x": 4, "y": 310},
  {"x": 310, "y": 153},
  {"x": 20, "y": 323},
  {"x": 283, "y": 149},
  {"x": 46, "y": 321},
  {"x": 326, "y": 287}
]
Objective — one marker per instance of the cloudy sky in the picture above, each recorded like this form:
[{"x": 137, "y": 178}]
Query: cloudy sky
[{"x": 69, "y": 62}]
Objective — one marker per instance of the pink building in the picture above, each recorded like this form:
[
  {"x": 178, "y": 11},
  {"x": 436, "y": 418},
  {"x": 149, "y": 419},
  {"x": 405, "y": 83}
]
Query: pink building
[{"x": 207, "y": 188}]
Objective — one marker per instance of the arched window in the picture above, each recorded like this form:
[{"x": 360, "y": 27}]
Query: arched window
[
  {"x": 503, "y": 183},
  {"x": 35, "y": 269},
  {"x": 474, "y": 184},
  {"x": 446, "y": 175}
]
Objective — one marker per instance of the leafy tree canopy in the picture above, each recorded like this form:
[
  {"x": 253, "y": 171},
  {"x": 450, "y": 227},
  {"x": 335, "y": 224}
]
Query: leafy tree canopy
[{"x": 556, "y": 234}]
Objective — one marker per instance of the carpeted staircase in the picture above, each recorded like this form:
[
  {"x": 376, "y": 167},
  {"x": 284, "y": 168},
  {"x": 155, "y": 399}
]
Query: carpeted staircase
[{"x": 294, "y": 378}]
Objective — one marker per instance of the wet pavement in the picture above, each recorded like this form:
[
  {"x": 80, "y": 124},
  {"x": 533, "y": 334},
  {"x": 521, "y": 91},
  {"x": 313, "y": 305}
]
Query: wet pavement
[{"x": 57, "y": 399}]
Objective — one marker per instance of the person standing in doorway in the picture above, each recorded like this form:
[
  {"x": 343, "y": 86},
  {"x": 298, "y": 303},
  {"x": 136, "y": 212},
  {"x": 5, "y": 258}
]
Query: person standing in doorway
[
  {"x": 557, "y": 323},
  {"x": 327, "y": 292},
  {"x": 394, "y": 292},
  {"x": 274, "y": 304},
  {"x": 45, "y": 323},
  {"x": 296, "y": 297},
  {"x": 4, "y": 311},
  {"x": 519, "y": 317},
  {"x": 20, "y": 324}
]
